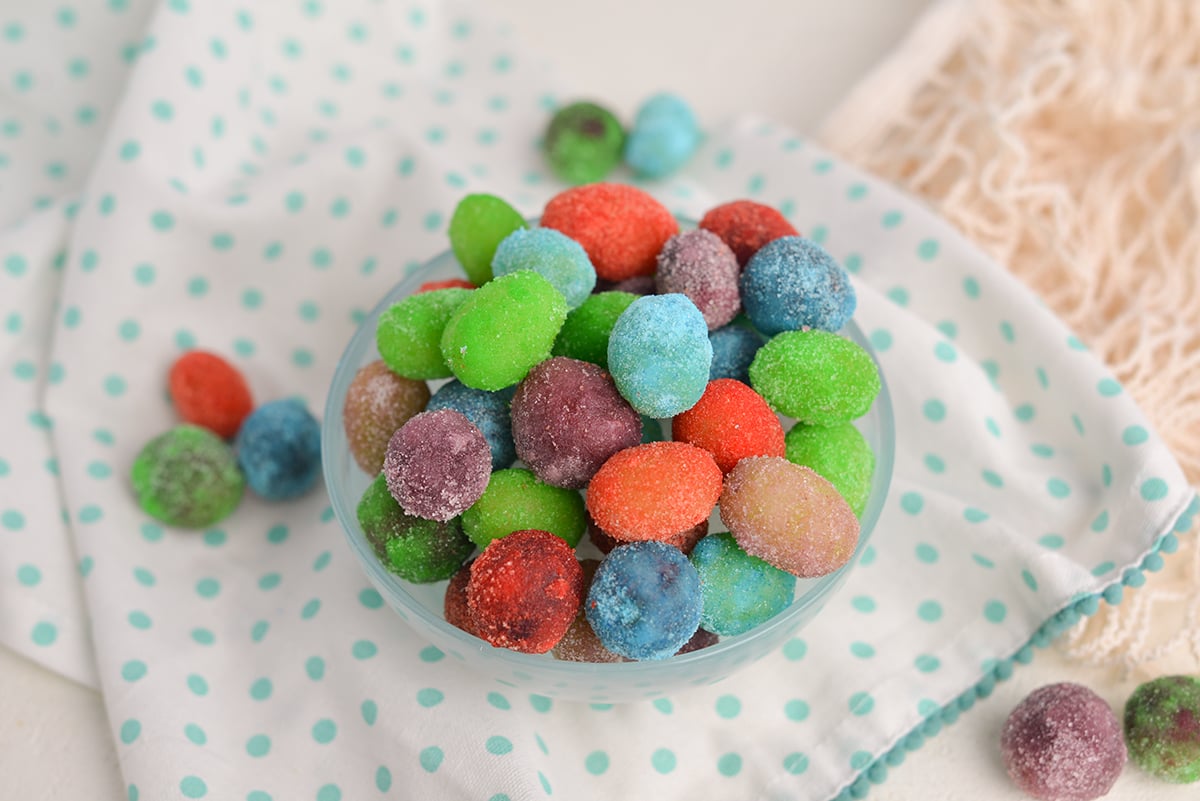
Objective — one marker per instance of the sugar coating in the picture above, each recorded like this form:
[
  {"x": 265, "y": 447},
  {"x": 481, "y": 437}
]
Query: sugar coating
[
  {"x": 478, "y": 225},
  {"x": 644, "y": 602},
  {"x": 408, "y": 334},
  {"x": 377, "y": 403},
  {"x": 792, "y": 283},
  {"x": 621, "y": 227},
  {"x": 1063, "y": 743},
  {"x": 502, "y": 330},
  {"x": 734, "y": 347},
  {"x": 568, "y": 419},
  {"x": 654, "y": 491},
  {"x": 556, "y": 257},
  {"x": 454, "y": 605},
  {"x": 209, "y": 392},
  {"x": 584, "y": 334},
  {"x": 279, "y": 450},
  {"x": 524, "y": 591},
  {"x": 1162, "y": 728},
  {"x": 416, "y": 550},
  {"x": 448, "y": 283},
  {"x": 700, "y": 640},
  {"x": 815, "y": 377},
  {"x": 663, "y": 137},
  {"x": 187, "y": 477},
  {"x": 583, "y": 142},
  {"x": 702, "y": 267},
  {"x": 517, "y": 499},
  {"x": 840, "y": 453},
  {"x": 437, "y": 464},
  {"x": 685, "y": 540},
  {"x": 487, "y": 410},
  {"x": 788, "y": 516},
  {"x": 746, "y": 226},
  {"x": 739, "y": 591},
  {"x": 659, "y": 354},
  {"x": 731, "y": 421},
  {"x": 580, "y": 643}
]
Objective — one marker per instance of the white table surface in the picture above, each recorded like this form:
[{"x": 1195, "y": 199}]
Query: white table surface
[{"x": 788, "y": 59}]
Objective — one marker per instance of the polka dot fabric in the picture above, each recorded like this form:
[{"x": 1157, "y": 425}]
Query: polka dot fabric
[{"x": 249, "y": 178}]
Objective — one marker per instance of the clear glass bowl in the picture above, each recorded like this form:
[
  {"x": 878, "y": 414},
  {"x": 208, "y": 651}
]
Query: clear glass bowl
[{"x": 420, "y": 605}]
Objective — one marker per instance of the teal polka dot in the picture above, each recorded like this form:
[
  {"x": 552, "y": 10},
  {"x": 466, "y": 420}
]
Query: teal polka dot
[
  {"x": 1051, "y": 541},
  {"x": 203, "y": 636},
  {"x": 302, "y": 357},
  {"x": 1108, "y": 387},
  {"x": 794, "y": 650},
  {"x": 355, "y": 156},
  {"x": 114, "y": 386},
  {"x": 370, "y": 598},
  {"x": 1134, "y": 435},
  {"x": 370, "y": 712},
  {"x": 91, "y": 514},
  {"x": 912, "y": 502},
  {"x": 863, "y": 603},
  {"x": 926, "y": 663},
  {"x": 339, "y": 208},
  {"x": 329, "y": 792},
  {"x": 130, "y": 730},
  {"x": 861, "y": 704},
  {"x": 383, "y": 779},
  {"x": 322, "y": 561},
  {"x": 859, "y": 760},
  {"x": 197, "y": 684},
  {"x": 324, "y": 730},
  {"x": 663, "y": 760},
  {"x": 881, "y": 339},
  {"x": 431, "y": 758},
  {"x": 1101, "y": 522},
  {"x": 152, "y": 532},
  {"x": 1154, "y": 489},
  {"x": 596, "y": 763},
  {"x": 992, "y": 426},
  {"x": 24, "y": 371},
  {"x": 728, "y": 706},
  {"x": 139, "y": 619},
  {"x": 499, "y": 701},
  {"x": 898, "y": 295},
  {"x": 162, "y": 110},
  {"x": 258, "y": 746},
  {"x": 430, "y": 696},
  {"x": 796, "y": 710},
  {"x": 862, "y": 650},
  {"x": 995, "y": 611},
  {"x": 208, "y": 587},
  {"x": 993, "y": 479},
  {"x": 258, "y": 795},
  {"x": 926, "y": 553},
  {"x": 197, "y": 286},
  {"x": 934, "y": 410},
  {"x": 193, "y": 787},
  {"x": 222, "y": 241},
  {"x": 945, "y": 352},
  {"x": 133, "y": 670},
  {"x": 195, "y": 734},
  {"x": 542, "y": 704},
  {"x": 1058, "y": 488},
  {"x": 930, "y": 611},
  {"x": 162, "y": 220},
  {"x": 928, "y": 249},
  {"x": 935, "y": 463},
  {"x": 99, "y": 470},
  {"x": 321, "y": 258},
  {"x": 310, "y": 609},
  {"x": 261, "y": 689},
  {"x": 1029, "y": 579},
  {"x": 243, "y": 347},
  {"x": 498, "y": 746},
  {"x": 983, "y": 561},
  {"x": 364, "y": 649},
  {"x": 971, "y": 287},
  {"x": 795, "y": 763},
  {"x": 29, "y": 575},
  {"x": 270, "y": 581},
  {"x": 214, "y": 537},
  {"x": 431, "y": 653},
  {"x": 130, "y": 150},
  {"x": 973, "y": 515},
  {"x": 1024, "y": 412},
  {"x": 314, "y": 666},
  {"x": 729, "y": 764}
]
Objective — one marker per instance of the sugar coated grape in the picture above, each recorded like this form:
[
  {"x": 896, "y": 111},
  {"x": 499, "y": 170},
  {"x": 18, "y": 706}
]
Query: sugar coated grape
[
  {"x": 584, "y": 334},
  {"x": 644, "y": 602},
  {"x": 739, "y": 591},
  {"x": 580, "y": 643},
  {"x": 816, "y": 377},
  {"x": 1063, "y": 743},
  {"x": 454, "y": 605},
  {"x": 408, "y": 334},
  {"x": 487, "y": 410},
  {"x": 279, "y": 450},
  {"x": 553, "y": 255},
  {"x": 702, "y": 267},
  {"x": 187, "y": 477},
  {"x": 792, "y": 283},
  {"x": 524, "y": 591},
  {"x": 621, "y": 227},
  {"x": 413, "y": 548},
  {"x": 788, "y": 516},
  {"x": 502, "y": 330},
  {"x": 659, "y": 354},
  {"x": 209, "y": 392},
  {"x": 517, "y": 499},
  {"x": 731, "y": 421},
  {"x": 839, "y": 453},
  {"x": 1162, "y": 728},
  {"x": 685, "y": 540},
  {"x": 664, "y": 136},
  {"x": 377, "y": 403},
  {"x": 746, "y": 226},
  {"x": 583, "y": 142},
  {"x": 654, "y": 491},
  {"x": 734, "y": 348},
  {"x": 437, "y": 465},
  {"x": 478, "y": 225}
]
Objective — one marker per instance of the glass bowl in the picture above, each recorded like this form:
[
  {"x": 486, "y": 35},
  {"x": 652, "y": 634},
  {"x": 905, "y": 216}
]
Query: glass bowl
[{"x": 420, "y": 605}]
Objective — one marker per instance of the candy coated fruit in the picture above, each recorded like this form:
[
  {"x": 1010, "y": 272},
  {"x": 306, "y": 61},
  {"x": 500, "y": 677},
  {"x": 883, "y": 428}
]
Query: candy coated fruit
[
  {"x": 839, "y": 453},
  {"x": 449, "y": 283},
  {"x": 409, "y": 333},
  {"x": 524, "y": 591},
  {"x": 792, "y": 283},
  {"x": 580, "y": 643},
  {"x": 644, "y": 602},
  {"x": 487, "y": 410},
  {"x": 437, "y": 465},
  {"x": 415, "y": 549},
  {"x": 685, "y": 541},
  {"x": 700, "y": 640},
  {"x": 478, "y": 225},
  {"x": 454, "y": 606},
  {"x": 664, "y": 136},
  {"x": 702, "y": 267},
  {"x": 377, "y": 403},
  {"x": 1162, "y": 728},
  {"x": 734, "y": 348},
  {"x": 1063, "y": 743},
  {"x": 815, "y": 377},
  {"x": 654, "y": 491},
  {"x": 637, "y": 285},
  {"x": 621, "y": 227},
  {"x": 187, "y": 477},
  {"x": 746, "y": 226},
  {"x": 731, "y": 421},
  {"x": 556, "y": 257},
  {"x": 517, "y": 499},
  {"x": 503, "y": 329},
  {"x": 788, "y": 516},
  {"x": 583, "y": 142},
  {"x": 568, "y": 418},
  {"x": 739, "y": 591},
  {"x": 279, "y": 450},
  {"x": 659, "y": 354},
  {"x": 209, "y": 392},
  {"x": 585, "y": 333}
]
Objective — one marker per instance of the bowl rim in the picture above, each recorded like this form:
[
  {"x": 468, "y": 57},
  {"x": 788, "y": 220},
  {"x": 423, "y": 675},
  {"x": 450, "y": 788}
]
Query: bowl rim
[{"x": 395, "y": 590}]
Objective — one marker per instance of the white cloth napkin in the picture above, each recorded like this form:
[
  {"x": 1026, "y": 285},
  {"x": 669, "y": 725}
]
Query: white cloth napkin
[{"x": 249, "y": 178}]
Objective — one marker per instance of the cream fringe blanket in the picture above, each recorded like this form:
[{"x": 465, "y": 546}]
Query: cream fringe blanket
[{"x": 1063, "y": 136}]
